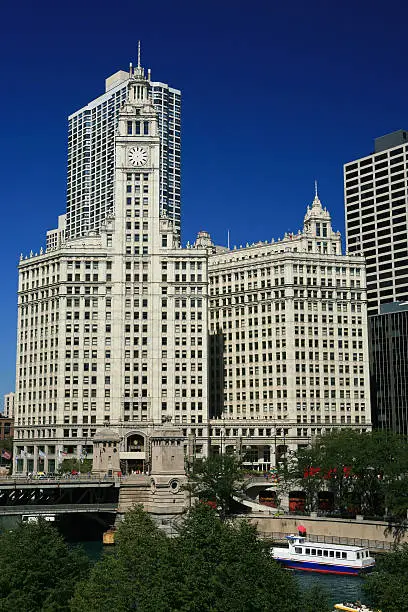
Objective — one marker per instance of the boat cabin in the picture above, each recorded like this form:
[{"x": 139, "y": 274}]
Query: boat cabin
[{"x": 322, "y": 551}]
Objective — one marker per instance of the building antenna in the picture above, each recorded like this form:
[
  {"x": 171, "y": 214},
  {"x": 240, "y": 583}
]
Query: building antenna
[
  {"x": 316, "y": 194},
  {"x": 228, "y": 239},
  {"x": 138, "y": 53}
]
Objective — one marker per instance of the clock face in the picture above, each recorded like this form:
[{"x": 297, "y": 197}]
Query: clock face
[{"x": 137, "y": 156}]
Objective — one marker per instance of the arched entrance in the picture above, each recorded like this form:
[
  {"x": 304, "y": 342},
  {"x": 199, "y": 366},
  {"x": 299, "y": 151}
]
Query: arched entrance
[{"x": 133, "y": 460}]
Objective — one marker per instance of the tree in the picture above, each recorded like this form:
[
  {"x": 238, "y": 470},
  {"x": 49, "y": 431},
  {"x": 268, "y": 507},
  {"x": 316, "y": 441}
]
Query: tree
[
  {"x": 301, "y": 471},
  {"x": 70, "y": 465},
  {"x": 38, "y": 571},
  {"x": 213, "y": 565},
  {"x": 225, "y": 568},
  {"x": 365, "y": 472},
  {"x": 137, "y": 575},
  {"x": 387, "y": 585},
  {"x": 216, "y": 479}
]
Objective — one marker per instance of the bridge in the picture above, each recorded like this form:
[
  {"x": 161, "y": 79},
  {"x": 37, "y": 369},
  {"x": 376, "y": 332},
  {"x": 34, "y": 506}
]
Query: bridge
[{"x": 19, "y": 496}]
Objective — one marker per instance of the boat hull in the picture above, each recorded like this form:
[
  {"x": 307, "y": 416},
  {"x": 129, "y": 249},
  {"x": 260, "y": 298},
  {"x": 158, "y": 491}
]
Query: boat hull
[{"x": 323, "y": 568}]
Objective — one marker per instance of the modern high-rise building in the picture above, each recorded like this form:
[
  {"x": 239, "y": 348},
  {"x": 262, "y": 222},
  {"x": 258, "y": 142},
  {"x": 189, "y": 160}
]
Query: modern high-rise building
[
  {"x": 91, "y": 154},
  {"x": 376, "y": 200},
  {"x": 389, "y": 367}
]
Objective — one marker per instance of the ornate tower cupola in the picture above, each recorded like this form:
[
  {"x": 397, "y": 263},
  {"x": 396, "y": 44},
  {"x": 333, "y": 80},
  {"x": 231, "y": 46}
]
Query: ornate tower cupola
[
  {"x": 137, "y": 89},
  {"x": 138, "y": 117},
  {"x": 317, "y": 222}
]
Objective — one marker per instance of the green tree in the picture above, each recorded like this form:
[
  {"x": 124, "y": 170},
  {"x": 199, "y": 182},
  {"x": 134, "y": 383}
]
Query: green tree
[
  {"x": 38, "y": 571},
  {"x": 213, "y": 565},
  {"x": 301, "y": 471},
  {"x": 387, "y": 585},
  {"x": 366, "y": 472},
  {"x": 225, "y": 568},
  {"x": 138, "y": 574},
  {"x": 69, "y": 465},
  {"x": 217, "y": 479}
]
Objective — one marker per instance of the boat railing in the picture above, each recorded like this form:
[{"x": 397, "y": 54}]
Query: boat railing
[{"x": 372, "y": 545}]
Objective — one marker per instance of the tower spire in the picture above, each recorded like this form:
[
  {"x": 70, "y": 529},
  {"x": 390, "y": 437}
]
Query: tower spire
[
  {"x": 138, "y": 53},
  {"x": 316, "y": 194}
]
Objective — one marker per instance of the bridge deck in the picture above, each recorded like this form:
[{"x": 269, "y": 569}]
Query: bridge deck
[
  {"x": 52, "y": 509},
  {"x": 44, "y": 483}
]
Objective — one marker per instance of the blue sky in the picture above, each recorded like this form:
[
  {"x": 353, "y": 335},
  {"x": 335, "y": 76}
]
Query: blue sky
[{"x": 275, "y": 94}]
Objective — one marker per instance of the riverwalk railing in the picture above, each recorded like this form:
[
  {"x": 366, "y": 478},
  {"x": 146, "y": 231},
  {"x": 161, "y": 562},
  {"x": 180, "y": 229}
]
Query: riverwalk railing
[{"x": 374, "y": 545}]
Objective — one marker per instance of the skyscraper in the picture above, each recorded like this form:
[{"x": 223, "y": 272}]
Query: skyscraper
[
  {"x": 112, "y": 327},
  {"x": 91, "y": 155},
  {"x": 389, "y": 367},
  {"x": 376, "y": 201}
]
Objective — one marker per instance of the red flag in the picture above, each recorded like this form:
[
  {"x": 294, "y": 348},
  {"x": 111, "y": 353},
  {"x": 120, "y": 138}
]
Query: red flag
[{"x": 5, "y": 454}]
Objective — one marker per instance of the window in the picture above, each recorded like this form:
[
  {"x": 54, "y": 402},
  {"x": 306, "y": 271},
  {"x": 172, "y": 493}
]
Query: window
[{"x": 298, "y": 550}]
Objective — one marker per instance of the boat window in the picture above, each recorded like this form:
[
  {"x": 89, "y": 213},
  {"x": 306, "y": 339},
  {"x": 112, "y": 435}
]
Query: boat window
[
  {"x": 313, "y": 551},
  {"x": 337, "y": 554},
  {"x": 344, "y": 555},
  {"x": 308, "y": 551},
  {"x": 325, "y": 553},
  {"x": 331, "y": 553},
  {"x": 298, "y": 550},
  {"x": 358, "y": 555},
  {"x": 319, "y": 552}
]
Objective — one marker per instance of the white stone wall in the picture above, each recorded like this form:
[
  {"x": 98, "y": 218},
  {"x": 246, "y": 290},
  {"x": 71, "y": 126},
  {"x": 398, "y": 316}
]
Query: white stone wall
[{"x": 288, "y": 322}]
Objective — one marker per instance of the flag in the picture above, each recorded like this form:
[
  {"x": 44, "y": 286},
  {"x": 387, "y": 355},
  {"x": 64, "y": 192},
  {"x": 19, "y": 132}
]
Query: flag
[
  {"x": 61, "y": 456},
  {"x": 41, "y": 454},
  {"x": 5, "y": 454}
]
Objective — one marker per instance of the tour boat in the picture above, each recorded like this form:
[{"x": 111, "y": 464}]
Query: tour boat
[
  {"x": 353, "y": 607},
  {"x": 323, "y": 558}
]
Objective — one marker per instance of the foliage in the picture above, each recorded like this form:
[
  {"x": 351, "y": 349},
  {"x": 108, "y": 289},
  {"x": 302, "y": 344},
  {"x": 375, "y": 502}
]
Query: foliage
[
  {"x": 388, "y": 585},
  {"x": 366, "y": 472},
  {"x": 298, "y": 472},
  {"x": 70, "y": 465},
  {"x": 212, "y": 565},
  {"x": 38, "y": 571},
  {"x": 138, "y": 574},
  {"x": 218, "y": 479}
]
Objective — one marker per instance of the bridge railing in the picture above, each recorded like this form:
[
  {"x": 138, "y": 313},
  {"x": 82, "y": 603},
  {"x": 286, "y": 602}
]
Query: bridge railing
[
  {"x": 58, "y": 509},
  {"x": 70, "y": 478}
]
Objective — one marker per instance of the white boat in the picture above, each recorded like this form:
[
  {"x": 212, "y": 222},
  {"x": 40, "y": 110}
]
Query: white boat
[
  {"x": 356, "y": 607},
  {"x": 323, "y": 558}
]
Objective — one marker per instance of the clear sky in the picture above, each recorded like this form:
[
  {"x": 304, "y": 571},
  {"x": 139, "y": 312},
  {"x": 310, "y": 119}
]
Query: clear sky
[{"x": 275, "y": 95}]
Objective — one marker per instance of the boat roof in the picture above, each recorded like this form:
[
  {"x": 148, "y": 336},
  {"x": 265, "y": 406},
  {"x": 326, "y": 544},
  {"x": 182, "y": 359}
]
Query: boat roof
[{"x": 302, "y": 542}]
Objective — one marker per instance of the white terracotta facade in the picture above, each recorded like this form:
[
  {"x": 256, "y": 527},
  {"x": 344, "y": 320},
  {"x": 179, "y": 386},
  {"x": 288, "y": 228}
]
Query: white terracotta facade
[{"x": 256, "y": 349}]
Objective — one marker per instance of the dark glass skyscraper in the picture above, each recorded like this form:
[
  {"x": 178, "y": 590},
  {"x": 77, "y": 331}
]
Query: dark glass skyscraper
[{"x": 389, "y": 367}]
